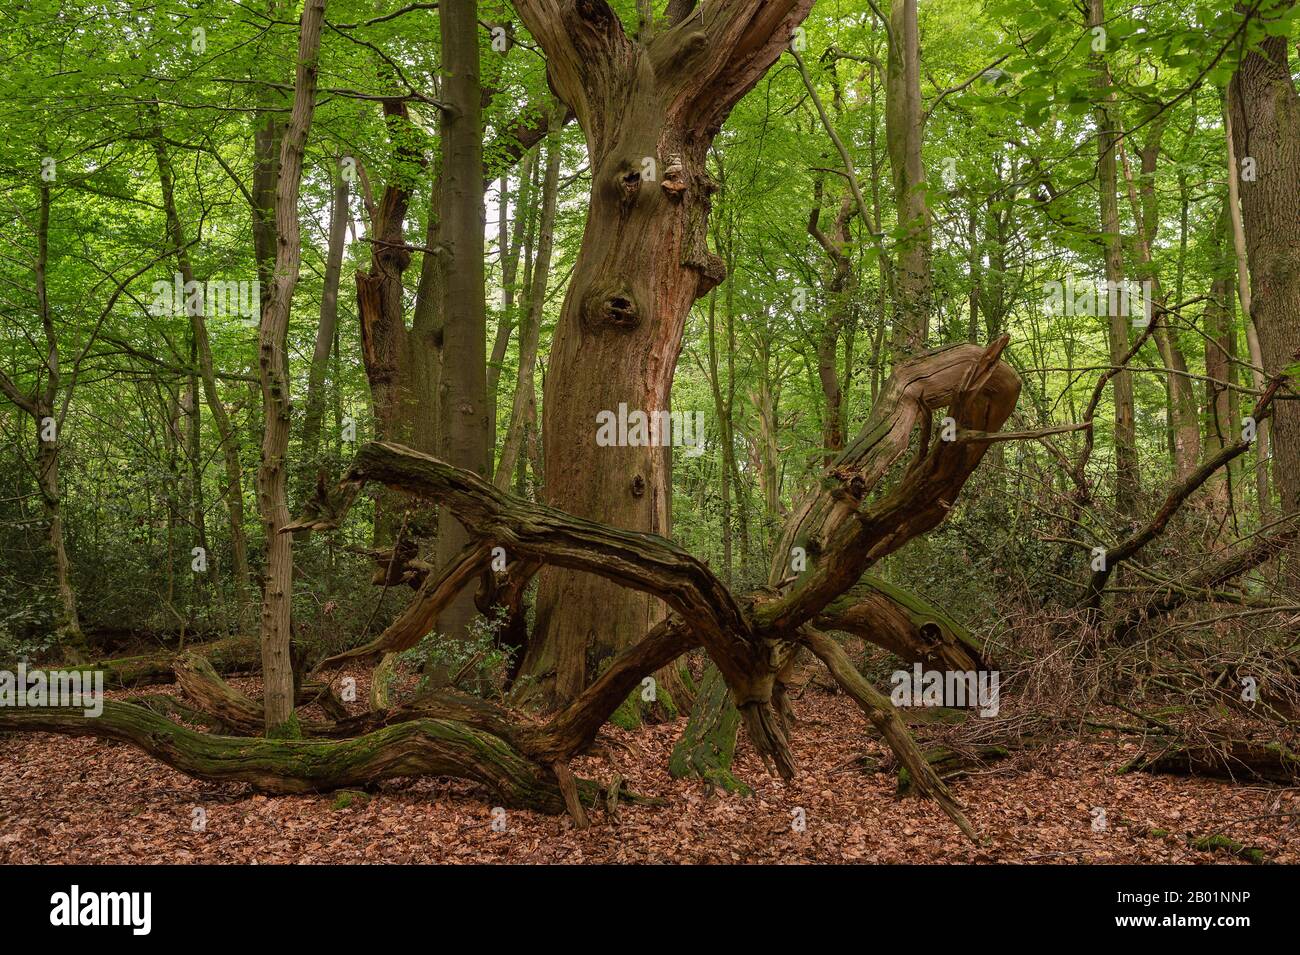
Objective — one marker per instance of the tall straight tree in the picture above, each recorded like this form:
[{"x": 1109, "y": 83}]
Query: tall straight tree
[
  {"x": 649, "y": 108},
  {"x": 273, "y": 365},
  {"x": 1241, "y": 259},
  {"x": 531, "y": 321},
  {"x": 463, "y": 434},
  {"x": 1266, "y": 130},
  {"x": 1126, "y": 456},
  {"x": 904, "y": 130}
]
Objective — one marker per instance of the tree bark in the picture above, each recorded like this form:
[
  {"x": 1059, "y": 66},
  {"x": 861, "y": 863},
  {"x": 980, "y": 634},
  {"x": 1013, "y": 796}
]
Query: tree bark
[
  {"x": 273, "y": 364},
  {"x": 904, "y": 132},
  {"x": 1127, "y": 475},
  {"x": 1256, "y": 353},
  {"x": 1266, "y": 128},
  {"x": 463, "y": 437},
  {"x": 1183, "y": 409},
  {"x": 320, "y": 357},
  {"x": 649, "y": 111}
]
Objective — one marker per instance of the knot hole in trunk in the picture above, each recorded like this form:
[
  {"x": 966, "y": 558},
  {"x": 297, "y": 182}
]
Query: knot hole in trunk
[{"x": 606, "y": 306}]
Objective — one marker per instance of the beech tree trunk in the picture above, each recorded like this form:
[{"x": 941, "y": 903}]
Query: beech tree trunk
[
  {"x": 649, "y": 109},
  {"x": 1264, "y": 428},
  {"x": 1183, "y": 409},
  {"x": 1266, "y": 128},
  {"x": 463, "y": 437},
  {"x": 904, "y": 132},
  {"x": 329, "y": 314},
  {"x": 1220, "y": 419},
  {"x": 531, "y": 320}
]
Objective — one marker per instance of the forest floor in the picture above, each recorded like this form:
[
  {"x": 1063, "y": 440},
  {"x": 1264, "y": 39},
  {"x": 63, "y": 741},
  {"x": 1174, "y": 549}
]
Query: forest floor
[{"x": 65, "y": 800}]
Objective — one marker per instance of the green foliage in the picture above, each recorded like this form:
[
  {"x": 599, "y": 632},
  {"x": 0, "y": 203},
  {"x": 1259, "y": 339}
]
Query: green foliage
[
  {"x": 479, "y": 661},
  {"x": 1009, "y": 90}
]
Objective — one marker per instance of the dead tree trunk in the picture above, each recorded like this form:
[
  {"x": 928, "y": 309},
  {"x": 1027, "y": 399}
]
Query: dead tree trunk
[{"x": 650, "y": 108}]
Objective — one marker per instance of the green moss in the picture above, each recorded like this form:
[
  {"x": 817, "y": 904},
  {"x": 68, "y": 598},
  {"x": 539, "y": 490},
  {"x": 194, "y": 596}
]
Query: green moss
[
  {"x": 628, "y": 714},
  {"x": 347, "y": 798},
  {"x": 1221, "y": 843},
  {"x": 664, "y": 700},
  {"x": 723, "y": 779},
  {"x": 289, "y": 729}
]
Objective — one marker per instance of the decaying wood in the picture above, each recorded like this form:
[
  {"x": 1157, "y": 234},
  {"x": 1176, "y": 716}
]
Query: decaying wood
[
  {"x": 867, "y": 507},
  {"x": 913, "y": 630},
  {"x": 228, "y": 655},
  {"x": 1227, "y": 759},
  {"x": 432, "y": 747}
]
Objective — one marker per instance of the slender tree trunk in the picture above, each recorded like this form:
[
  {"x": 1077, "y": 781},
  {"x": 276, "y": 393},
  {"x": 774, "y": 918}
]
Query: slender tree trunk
[
  {"x": 724, "y": 420},
  {"x": 509, "y": 243},
  {"x": 1264, "y": 429},
  {"x": 766, "y": 399},
  {"x": 273, "y": 363},
  {"x": 234, "y": 493},
  {"x": 67, "y": 621},
  {"x": 320, "y": 357},
  {"x": 1184, "y": 412},
  {"x": 1221, "y": 426},
  {"x": 1126, "y": 459},
  {"x": 48, "y": 423},
  {"x": 424, "y": 343},
  {"x": 904, "y": 132},
  {"x": 531, "y": 323}
]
